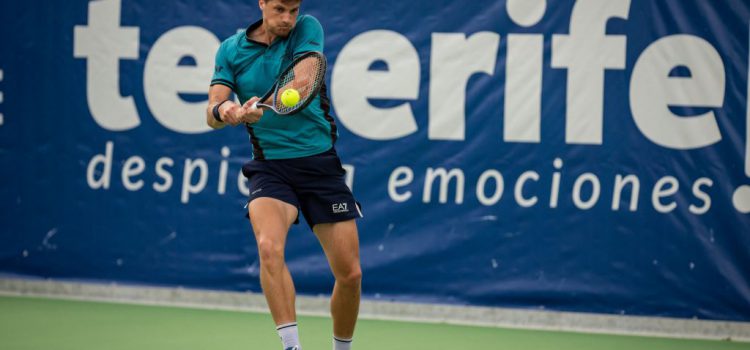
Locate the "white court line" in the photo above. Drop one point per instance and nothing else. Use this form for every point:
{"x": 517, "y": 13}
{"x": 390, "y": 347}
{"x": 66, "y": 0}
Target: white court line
{"x": 385, "y": 310}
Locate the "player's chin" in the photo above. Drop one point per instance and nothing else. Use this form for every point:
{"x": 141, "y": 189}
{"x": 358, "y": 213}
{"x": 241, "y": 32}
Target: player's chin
{"x": 283, "y": 31}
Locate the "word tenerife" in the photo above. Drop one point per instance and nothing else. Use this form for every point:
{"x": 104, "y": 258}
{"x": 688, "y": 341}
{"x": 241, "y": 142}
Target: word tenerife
{"x": 586, "y": 53}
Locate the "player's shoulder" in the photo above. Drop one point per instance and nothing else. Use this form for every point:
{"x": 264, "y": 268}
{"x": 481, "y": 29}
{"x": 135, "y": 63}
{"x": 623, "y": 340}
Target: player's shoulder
{"x": 308, "y": 19}
{"x": 230, "y": 47}
{"x": 233, "y": 42}
{"x": 308, "y": 22}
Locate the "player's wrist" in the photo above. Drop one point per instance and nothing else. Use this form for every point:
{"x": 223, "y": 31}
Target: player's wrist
{"x": 217, "y": 112}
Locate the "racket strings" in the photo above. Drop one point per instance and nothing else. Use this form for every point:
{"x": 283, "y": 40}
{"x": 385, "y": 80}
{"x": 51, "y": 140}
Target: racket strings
{"x": 305, "y": 77}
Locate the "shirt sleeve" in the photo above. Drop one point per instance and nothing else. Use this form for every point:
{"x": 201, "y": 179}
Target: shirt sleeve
{"x": 222, "y": 71}
{"x": 308, "y": 36}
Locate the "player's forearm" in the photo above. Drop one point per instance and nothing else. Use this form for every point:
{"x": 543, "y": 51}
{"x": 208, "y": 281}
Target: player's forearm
{"x": 218, "y": 94}
{"x": 211, "y": 115}
{"x": 210, "y": 119}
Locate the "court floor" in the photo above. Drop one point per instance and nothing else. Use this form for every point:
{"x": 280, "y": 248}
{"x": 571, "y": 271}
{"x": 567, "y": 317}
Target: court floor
{"x": 35, "y": 324}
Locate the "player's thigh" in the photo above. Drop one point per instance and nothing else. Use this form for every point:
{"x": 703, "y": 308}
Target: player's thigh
{"x": 340, "y": 242}
{"x": 271, "y": 219}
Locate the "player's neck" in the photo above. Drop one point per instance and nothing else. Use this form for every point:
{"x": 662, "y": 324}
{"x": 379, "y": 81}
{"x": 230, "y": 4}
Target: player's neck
{"x": 263, "y": 35}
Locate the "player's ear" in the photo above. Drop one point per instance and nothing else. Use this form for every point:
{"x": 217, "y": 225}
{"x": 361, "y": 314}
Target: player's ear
{"x": 261, "y": 4}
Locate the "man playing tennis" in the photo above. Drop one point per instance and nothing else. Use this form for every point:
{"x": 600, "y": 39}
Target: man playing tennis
{"x": 294, "y": 168}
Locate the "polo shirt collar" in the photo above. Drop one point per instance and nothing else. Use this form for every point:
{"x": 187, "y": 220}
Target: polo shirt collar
{"x": 250, "y": 29}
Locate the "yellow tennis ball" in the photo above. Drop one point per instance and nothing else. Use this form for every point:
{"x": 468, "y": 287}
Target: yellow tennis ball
{"x": 290, "y": 97}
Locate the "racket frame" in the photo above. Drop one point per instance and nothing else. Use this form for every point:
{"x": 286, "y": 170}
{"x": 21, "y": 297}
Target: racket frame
{"x": 274, "y": 89}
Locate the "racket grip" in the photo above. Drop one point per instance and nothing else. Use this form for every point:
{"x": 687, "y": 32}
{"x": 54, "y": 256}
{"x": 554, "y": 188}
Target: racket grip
{"x": 255, "y": 105}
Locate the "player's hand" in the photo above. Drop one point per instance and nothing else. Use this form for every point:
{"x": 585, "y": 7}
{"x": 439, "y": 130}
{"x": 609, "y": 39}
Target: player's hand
{"x": 231, "y": 113}
{"x": 251, "y": 115}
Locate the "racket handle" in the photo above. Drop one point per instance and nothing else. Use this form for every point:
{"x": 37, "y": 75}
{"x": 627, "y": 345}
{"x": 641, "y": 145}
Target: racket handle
{"x": 255, "y": 105}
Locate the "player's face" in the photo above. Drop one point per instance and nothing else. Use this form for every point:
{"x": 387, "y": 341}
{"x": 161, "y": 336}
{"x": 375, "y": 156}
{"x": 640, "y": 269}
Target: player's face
{"x": 279, "y": 16}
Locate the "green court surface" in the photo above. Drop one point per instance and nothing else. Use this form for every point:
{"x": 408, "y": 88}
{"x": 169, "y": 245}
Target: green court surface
{"x": 35, "y": 324}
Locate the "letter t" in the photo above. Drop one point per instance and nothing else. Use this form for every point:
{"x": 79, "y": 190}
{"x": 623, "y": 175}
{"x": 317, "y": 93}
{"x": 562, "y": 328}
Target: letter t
{"x": 103, "y": 43}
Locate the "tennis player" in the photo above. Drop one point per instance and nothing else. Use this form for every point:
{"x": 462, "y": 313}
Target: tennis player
{"x": 294, "y": 168}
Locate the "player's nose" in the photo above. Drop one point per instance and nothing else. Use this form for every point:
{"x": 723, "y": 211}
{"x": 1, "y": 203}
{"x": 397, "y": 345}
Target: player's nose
{"x": 287, "y": 19}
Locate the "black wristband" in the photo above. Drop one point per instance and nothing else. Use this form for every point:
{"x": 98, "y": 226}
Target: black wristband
{"x": 216, "y": 114}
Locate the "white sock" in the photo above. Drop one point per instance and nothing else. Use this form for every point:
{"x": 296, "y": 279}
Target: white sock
{"x": 341, "y": 344}
{"x": 289, "y": 335}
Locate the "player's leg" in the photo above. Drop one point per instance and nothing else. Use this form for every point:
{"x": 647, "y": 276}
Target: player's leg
{"x": 340, "y": 242}
{"x": 271, "y": 219}
{"x": 330, "y": 209}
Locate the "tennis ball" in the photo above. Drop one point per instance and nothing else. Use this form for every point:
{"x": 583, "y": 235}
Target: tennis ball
{"x": 290, "y": 97}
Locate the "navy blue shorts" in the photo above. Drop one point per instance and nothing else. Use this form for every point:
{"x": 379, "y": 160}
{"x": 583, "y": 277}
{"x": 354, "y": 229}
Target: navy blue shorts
{"x": 315, "y": 185}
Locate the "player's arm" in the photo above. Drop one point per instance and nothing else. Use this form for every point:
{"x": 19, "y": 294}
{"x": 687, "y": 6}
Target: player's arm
{"x": 303, "y": 73}
{"x": 229, "y": 112}
{"x": 221, "y": 109}
{"x": 217, "y": 94}
{"x": 309, "y": 36}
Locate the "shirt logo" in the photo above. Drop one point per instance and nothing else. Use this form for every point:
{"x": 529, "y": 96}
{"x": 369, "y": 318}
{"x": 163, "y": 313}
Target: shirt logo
{"x": 340, "y": 208}
{"x": 218, "y": 69}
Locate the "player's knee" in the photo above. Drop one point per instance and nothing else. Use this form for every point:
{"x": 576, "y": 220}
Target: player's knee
{"x": 271, "y": 254}
{"x": 352, "y": 277}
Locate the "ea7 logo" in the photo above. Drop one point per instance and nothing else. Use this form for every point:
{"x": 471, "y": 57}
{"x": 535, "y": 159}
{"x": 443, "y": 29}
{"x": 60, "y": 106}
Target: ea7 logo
{"x": 340, "y": 208}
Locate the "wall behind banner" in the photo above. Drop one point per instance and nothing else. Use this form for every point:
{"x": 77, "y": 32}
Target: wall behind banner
{"x": 585, "y": 155}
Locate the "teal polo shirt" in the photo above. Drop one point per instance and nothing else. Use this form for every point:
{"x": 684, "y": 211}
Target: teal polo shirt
{"x": 250, "y": 68}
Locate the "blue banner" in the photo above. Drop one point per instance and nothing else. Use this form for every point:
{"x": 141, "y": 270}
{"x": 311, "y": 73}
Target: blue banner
{"x": 589, "y": 155}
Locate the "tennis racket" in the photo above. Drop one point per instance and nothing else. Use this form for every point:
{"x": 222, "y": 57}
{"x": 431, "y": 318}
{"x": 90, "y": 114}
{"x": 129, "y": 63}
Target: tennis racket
{"x": 305, "y": 74}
